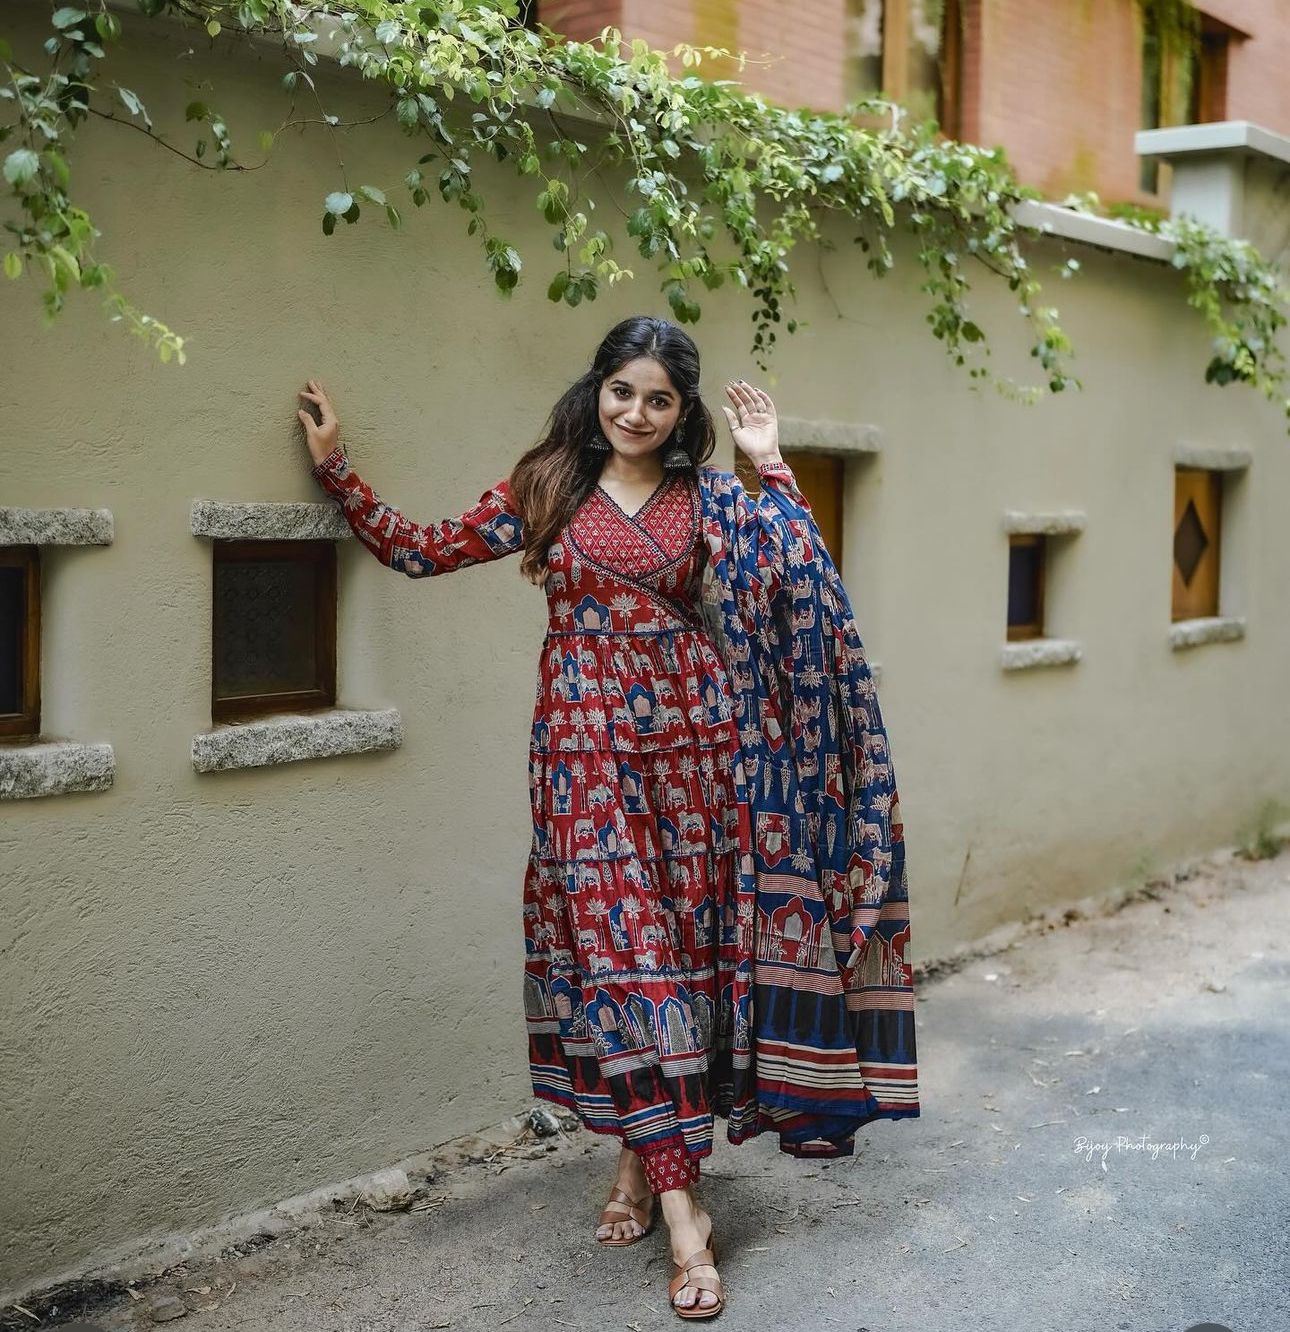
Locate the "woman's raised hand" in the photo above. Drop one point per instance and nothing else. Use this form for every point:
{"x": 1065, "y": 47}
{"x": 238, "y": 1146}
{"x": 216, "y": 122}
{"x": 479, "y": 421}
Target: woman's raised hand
{"x": 321, "y": 435}
{"x": 752, "y": 421}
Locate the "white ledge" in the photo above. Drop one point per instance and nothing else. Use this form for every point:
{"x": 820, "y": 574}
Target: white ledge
{"x": 54, "y": 767}
{"x": 1220, "y": 136}
{"x": 1214, "y": 458}
{"x": 1064, "y": 522}
{"x": 55, "y": 527}
{"x": 227, "y": 520}
{"x": 1030, "y": 653}
{"x": 1210, "y": 629}
{"x": 797, "y": 432}
{"x": 1105, "y": 232}
{"x": 290, "y": 738}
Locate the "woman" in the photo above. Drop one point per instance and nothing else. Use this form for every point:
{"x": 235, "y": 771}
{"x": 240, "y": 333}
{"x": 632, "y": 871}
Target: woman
{"x": 715, "y": 913}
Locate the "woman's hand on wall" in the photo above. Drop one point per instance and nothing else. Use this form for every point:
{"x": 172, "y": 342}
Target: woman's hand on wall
{"x": 322, "y": 430}
{"x": 752, "y": 421}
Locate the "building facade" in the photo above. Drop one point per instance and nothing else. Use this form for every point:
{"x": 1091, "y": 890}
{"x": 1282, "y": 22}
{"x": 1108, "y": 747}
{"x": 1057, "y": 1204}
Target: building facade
{"x": 245, "y": 959}
{"x": 1062, "y": 86}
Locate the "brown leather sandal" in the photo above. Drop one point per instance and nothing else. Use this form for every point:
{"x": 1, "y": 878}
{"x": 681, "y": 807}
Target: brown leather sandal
{"x": 703, "y": 1258}
{"x": 640, "y": 1210}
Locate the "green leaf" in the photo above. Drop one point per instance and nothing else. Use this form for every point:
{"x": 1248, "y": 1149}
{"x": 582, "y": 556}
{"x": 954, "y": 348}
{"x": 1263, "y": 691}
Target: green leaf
{"x": 67, "y": 17}
{"x": 266, "y": 140}
{"x": 556, "y": 290}
{"x": 59, "y": 164}
{"x": 372, "y": 195}
{"x": 338, "y": 203}
{"x": 13, "y": 265}
{"x": 21, "y": 166}
{"x": 213, "y": 27}
{"x": 329, "y": 223}
{"x": 392, "y": 216}
{"x": 108, "y": 27}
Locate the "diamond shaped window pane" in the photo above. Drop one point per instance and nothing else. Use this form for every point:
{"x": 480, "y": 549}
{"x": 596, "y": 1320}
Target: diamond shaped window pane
{"x": 1190, "y": 543}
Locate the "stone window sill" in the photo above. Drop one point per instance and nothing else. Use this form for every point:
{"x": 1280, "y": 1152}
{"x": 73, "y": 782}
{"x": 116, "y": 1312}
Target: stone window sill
{"x": 54, "y": 767}
{"x": 837, "y": 437}
{"x": 292, "y": 737}
{"x": 1211, "y": 629}
{"x": 1030, "y": 653}
{"x": 1213, "y": 458}
{"x": 55, "y": 527}
{"x": 222, "y": 520}
{"x": 1064, "y": 522}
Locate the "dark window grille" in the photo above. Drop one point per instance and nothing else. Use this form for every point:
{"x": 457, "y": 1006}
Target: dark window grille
{"x": 1026, "y": 586}
{"x": 274, "y": 627}
{"x": 1152, "y": 103}
{"x": 19, "y": 642}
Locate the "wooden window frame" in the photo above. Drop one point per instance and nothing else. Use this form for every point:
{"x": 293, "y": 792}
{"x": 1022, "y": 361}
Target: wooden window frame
{"x": 25, "y": 723}
{"x": 893, "y": 59}
{"x": 949, "y": 84}
{"x": 1210, "y": 67}
{"x": 1185, "y": 603}
{"x": 323, "y": 555}
{"x": 1035, "y": 628}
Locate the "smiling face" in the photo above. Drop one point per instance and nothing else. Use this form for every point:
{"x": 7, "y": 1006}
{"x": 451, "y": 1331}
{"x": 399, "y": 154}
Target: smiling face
{"x": 639, "y": 407}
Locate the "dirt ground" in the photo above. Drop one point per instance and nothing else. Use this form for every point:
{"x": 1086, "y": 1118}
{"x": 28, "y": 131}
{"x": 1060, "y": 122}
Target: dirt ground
{"x": 1102, "y": 1146}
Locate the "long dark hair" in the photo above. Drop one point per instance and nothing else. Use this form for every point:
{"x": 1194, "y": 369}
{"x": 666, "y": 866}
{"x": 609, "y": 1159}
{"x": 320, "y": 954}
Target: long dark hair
{"x": 558, "y": 473}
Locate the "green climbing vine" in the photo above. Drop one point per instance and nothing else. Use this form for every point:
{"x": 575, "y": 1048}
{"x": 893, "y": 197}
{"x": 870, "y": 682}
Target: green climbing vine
{"x": 1241, "y": 297}
{"x": 721, "y": 187}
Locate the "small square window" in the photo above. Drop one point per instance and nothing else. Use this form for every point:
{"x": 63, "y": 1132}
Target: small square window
{"x": 1198, "y": 502}
{"x": 1026, "y": 560}
{"x": 274, "y": 627}
{"x": 19, "y": 642}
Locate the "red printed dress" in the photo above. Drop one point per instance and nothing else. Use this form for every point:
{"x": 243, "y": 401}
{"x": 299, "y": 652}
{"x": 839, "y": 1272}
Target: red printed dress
{"x": 638, "y": 894}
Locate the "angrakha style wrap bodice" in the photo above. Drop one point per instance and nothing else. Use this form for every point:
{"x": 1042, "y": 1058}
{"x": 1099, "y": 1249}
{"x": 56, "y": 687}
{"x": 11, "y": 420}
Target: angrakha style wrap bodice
{"x": 715, "y": 909}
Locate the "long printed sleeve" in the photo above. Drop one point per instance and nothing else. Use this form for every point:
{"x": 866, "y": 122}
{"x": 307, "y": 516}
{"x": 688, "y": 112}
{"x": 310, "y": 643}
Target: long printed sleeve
{"x": 776, "y": 527}
{"x": 780, "y": 486}
{"x": 488, "y": 531}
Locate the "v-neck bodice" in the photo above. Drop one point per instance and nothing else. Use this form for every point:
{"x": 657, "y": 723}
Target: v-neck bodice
{"x": 609, "y": 557}
{"x": 640, "y": 508}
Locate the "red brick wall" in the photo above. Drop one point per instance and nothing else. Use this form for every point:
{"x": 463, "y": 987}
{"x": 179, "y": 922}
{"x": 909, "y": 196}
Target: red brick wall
{"x": 1062, "y": 93}
{"x": 1258, "y": 78}
{"x": 1057, "y": 84}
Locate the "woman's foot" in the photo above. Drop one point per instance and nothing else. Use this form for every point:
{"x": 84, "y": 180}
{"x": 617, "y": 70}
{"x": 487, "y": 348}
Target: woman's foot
{"x": 690, "y": 1232}
{"x": 621, "y": 1222}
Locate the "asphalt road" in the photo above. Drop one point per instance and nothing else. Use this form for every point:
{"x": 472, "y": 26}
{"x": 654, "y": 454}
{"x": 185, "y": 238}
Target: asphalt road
{"x": 1103, "y": 1145}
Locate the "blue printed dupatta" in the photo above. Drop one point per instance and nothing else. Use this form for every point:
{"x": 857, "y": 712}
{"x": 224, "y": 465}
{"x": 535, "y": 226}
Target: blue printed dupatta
{"x": 833, "y": 997}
